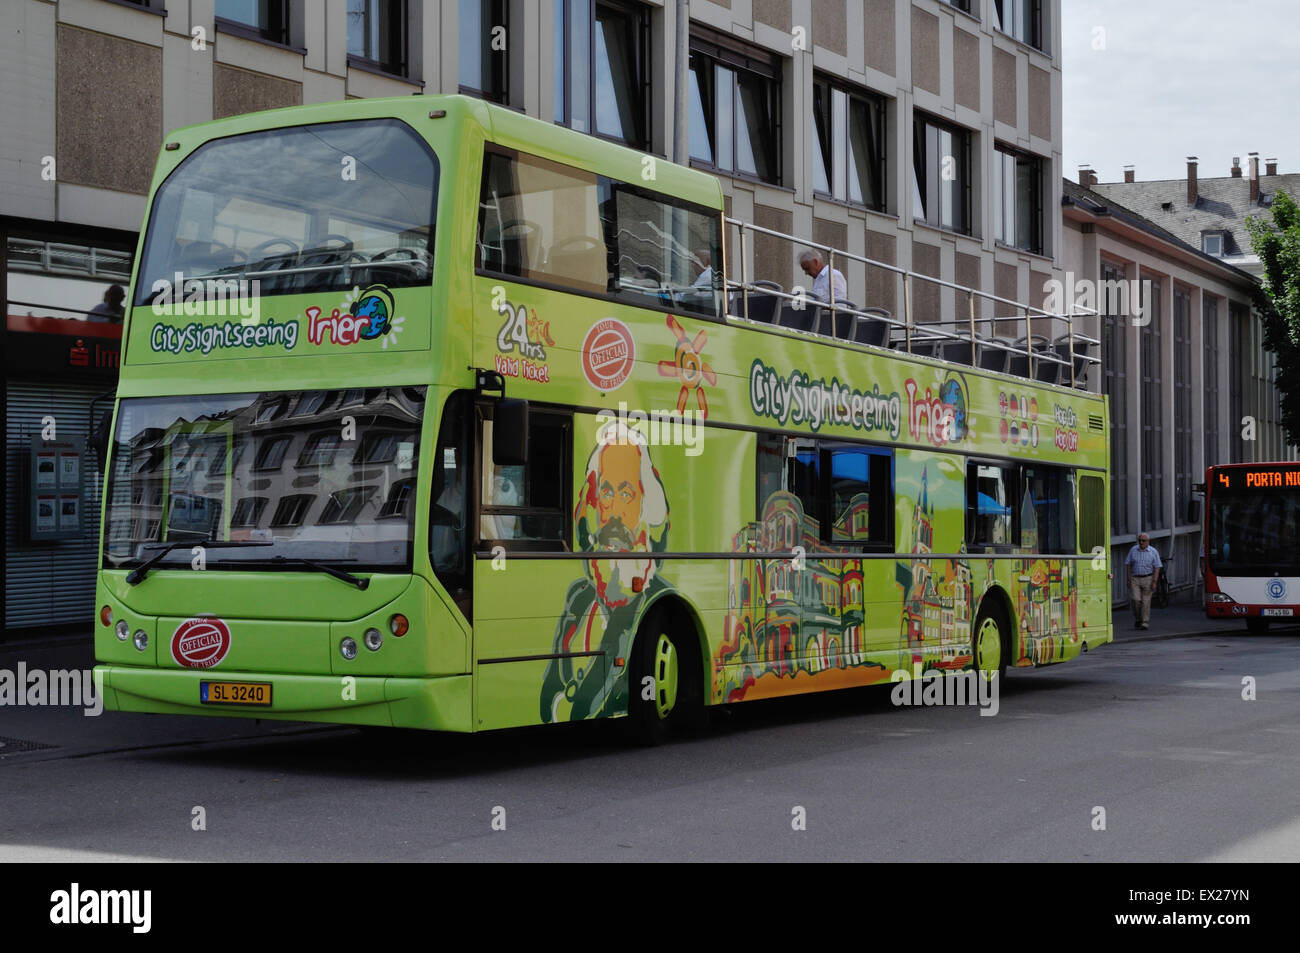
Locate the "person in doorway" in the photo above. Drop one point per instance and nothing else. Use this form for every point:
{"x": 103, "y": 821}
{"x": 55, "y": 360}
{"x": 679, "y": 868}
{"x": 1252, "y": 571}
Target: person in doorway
{"x": 824, "y": 277}
{"x": 1143, "y": 567}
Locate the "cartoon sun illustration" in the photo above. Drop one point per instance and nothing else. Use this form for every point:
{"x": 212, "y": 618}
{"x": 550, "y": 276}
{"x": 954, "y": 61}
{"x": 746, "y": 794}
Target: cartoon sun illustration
{"x": 689, "y": 366}
{"x": 375, "y": 303}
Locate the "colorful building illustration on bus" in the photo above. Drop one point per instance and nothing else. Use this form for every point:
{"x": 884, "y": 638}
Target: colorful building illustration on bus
{"x": 936, "y": 595}
{"x": 788, "y": 616}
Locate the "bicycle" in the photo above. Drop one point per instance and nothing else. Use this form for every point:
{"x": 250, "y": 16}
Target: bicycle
{"x": 1160, "y": 597}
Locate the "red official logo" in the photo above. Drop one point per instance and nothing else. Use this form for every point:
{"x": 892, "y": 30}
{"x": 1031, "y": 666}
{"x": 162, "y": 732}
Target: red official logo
{"x": 608, "y": 353}
{"x": 200, "y": 643}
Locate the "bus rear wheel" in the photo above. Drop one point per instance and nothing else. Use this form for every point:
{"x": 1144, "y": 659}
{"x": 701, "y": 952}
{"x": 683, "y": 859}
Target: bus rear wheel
{"x": 665, "y": 691}
{"x": 991, "y": 641}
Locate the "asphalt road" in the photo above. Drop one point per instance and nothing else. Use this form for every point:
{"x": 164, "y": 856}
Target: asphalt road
{"x": 1156, "y": 733}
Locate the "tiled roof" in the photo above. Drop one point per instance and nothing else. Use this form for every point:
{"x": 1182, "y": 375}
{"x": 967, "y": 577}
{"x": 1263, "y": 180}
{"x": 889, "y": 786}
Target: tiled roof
{"x": 1093, "y": 200}
{"x": 1222, "y": 203}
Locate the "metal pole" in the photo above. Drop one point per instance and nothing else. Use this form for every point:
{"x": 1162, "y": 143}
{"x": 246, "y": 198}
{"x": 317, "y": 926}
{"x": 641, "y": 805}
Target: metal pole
{"x": 744, "y": 274}
{"x": 973, "y": 360}
{"x": 907, "y": 310}
{"x": 681, "y": 120}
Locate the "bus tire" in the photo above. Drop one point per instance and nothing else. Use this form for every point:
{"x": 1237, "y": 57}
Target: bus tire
{"x": 991, "y": 640}
{"x": 665, "y": 690}
{"x": 1257, "y": 626}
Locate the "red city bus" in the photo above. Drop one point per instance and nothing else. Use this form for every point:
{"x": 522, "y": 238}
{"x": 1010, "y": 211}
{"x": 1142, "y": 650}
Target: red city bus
{"x": 1251, "y": 544}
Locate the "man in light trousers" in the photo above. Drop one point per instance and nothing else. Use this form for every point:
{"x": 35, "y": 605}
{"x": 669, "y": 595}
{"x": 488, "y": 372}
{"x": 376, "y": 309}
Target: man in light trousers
{"x": 1143, "y": 566}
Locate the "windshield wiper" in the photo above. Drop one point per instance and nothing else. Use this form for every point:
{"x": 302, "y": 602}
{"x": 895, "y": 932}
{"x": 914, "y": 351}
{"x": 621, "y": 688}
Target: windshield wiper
{"x": 357, "y": 581}
{"x": 137, "y": 575}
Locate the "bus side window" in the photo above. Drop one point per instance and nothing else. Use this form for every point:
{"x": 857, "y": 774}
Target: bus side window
{"x": 990, "y": 506}
{"x": 1092, "y": 513}
{"x": 527, "y": 504}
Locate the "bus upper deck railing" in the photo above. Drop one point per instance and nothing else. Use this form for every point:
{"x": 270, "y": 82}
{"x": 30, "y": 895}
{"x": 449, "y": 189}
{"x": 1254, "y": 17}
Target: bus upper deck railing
{"x": 1063, "y": 360}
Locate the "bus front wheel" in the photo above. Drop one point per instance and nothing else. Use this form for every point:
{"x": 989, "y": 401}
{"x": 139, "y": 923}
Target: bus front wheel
{"x": 665, "y": 691}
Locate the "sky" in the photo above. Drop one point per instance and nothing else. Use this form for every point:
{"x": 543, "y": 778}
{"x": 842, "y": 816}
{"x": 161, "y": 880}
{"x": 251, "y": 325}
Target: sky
{"x": 1151, "y": 82}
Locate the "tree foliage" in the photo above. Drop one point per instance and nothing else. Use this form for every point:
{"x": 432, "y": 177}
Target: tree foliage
{"x": 1276, "y": 239}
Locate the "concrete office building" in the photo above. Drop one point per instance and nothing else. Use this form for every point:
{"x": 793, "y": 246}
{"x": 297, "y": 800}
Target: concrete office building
{"x": 919, "y": 133}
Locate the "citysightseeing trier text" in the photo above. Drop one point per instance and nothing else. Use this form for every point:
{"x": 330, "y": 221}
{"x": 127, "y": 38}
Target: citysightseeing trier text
{"x": 486, "y": 449}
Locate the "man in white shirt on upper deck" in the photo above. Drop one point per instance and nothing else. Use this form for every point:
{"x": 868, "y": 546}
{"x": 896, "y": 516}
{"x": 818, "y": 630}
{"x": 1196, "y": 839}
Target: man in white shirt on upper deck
{"x": 822, "y": 275}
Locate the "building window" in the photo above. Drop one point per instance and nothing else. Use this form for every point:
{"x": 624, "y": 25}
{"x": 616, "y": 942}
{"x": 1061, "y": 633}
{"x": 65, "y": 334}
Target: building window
{"x": 484, "y": 60}
{"x": 1021, "y": 19}
{"x": 1182, "y": 402}
{"x": 271, "y": 453}
{"x": 268, "y": 19}
{"x": 849, "y": 131}
{"x": 344, "y": 506}
{"x": 248, "y": 511}
{"x": 1153, "y": 458}
{"x": 320, "y": 449}
{"x": 1212, "y": 244}
{"x": 963, "y": 5}
{"x": 941, "y": 180}
{"x": 1210, "y": 381}
{"x": 1018, "y": 200}
{"x": 604, "y": 85}
{"x": 1114, "y": 362}
{"x": 377, "y": 33}
{"x": 292, "y": 510}
{"x": 735, "y": 105}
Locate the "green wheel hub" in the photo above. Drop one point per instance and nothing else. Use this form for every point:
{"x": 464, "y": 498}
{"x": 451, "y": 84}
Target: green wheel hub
{"x": 665, "y": 676}
{"x": 988, "y": 646}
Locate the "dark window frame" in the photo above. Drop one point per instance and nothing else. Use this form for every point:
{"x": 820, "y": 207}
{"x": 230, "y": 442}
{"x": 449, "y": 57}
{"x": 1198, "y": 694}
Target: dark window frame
{"x": 275, "y": 30}
{"x": 1013, "y": 481}
{"x": 289, "y": 505}
{"x": 1037, "y": 239}
{"x": 1034, "y": 28}
{"x": 877, "y": 113}
{"x": 400, "y": 65}
{"x": 498, "y": 64}
{"x": 927, "y": 178}
{"x": 639, "y": 16}
{"x": 727, "y": 53}
{"x": 258, "y": 506}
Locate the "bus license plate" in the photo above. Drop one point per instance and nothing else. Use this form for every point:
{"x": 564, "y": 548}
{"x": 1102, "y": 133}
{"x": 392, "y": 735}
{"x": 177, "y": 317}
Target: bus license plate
{"x": 235, "y": 693}
{"x": 1276, "y": 611}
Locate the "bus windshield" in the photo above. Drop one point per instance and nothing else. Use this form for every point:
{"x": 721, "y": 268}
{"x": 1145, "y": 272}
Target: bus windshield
{"x": 1254, "y": 533}
{"x": 326, "y": 475}
{"x": 302, "y": 209}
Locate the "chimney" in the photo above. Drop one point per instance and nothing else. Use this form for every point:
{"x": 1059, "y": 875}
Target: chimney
{"x": 1254, "y": 176}
{"x": 1270, "y": 167}
{"x": 1087, "y": 177}
{"x": 1236, "y": 167}
{"x": 1129, "y": 173}
{"x": 1192, "y": 190}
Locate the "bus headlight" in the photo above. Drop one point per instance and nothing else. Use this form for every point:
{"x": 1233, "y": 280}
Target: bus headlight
{"x": 1220, "y": 597}
{"x": 348, "y": 648}
{"x": 141, "y": 639}
{"x": 122, "y": 630}
{"x": 374, "y": 639}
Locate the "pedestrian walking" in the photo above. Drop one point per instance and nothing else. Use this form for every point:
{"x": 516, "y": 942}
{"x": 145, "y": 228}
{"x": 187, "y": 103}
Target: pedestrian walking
{"x": 1143, "y": 566}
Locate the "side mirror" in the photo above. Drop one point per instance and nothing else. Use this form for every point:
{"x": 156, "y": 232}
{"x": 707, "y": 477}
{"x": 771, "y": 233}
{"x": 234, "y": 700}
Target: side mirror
{"x": 98, "y": 439}
{"x": 1193, "y": 511}
{"x": 510, "y": 432}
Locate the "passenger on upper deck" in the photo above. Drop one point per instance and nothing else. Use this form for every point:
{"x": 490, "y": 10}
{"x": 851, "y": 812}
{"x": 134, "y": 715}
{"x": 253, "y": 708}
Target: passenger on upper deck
{"x": 822, "y": 275}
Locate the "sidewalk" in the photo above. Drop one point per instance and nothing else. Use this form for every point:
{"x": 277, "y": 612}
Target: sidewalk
{"x": 1184, "y": 617}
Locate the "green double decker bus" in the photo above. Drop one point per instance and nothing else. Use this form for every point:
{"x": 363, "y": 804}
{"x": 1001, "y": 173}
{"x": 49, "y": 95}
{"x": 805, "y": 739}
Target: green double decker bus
{"x": 433, "y": 415}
